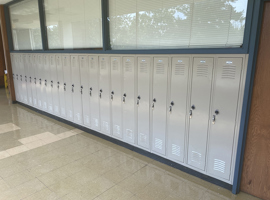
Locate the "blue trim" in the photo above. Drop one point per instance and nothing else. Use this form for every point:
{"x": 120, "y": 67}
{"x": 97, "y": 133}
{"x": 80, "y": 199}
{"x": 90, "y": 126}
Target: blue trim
{"x": 43, "y": 28}
{"x": 105, "y": 25}
{"x": 254, "y": 44}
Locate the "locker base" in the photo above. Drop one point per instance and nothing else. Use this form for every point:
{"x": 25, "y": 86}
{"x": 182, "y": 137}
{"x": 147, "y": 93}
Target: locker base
{"x": 135, "y": 149}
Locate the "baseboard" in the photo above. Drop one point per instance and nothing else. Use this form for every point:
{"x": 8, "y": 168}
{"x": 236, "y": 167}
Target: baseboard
{"x": 136, "y": 149}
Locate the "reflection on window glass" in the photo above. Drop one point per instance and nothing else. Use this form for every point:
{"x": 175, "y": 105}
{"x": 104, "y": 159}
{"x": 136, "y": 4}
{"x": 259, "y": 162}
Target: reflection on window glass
{"x": 25, "y": 25}
{"x": 154, "y": 24}
{"x": 73, "y": 24}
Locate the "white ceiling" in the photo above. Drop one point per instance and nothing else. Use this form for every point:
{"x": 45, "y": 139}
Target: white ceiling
{"x": 4, "y": 1}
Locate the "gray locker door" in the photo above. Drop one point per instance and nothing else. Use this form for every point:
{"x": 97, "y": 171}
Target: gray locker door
{"x": 223, "y": 116}
{"x": 178, "y": 109}
{"x": 38, "y": 82}
{"x": 41, "y": 101}
{"x": 15, "y": 75}
{"x": 143, "y": 101}
{"x": 76, "y": 90}
{"x": 67, "y": 87}
{"x": 199, "y": 111}
{"x": 33, "y": 79}
{"x": 54, "y": 85}
{"x": 60, "y": 86}
{"x": 27, "y": 77}
{"x": 159, "y": 104}
{"x": 104, "y": 94}
{"x": 94, "y": 92}
{"x": 18, "y": 80}
{"x": 48, "y": 85}
{"x": 23, "y": 80}
{"x": 116, "y": 96}
{"x": 128, "y": 99}
{"x": 84, "y": 69}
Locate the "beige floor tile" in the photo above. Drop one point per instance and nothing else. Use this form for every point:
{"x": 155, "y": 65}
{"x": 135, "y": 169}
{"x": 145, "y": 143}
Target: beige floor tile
{"x": 44, "y": 135}
{"x": 28, "y": 139}
{"x": 3, "y": 186}
{"x": 84, "y": 176}
{"x": 19, "y": 178}
{"x": 153, "y": 192}
{"x": 116, "y": 175}
{"x": 44, "y": 194}
{"x": 66, "y": 134}
{"x": 116, "y": 193}
{"x": 8, "y": 127}
{"x": 53, "y": 177}
{"x": 17, "y": 150}
{"x": 133, "y": 184}
{"x": 12, "y": 170}
{"x": 4, "y": 154}
{"x": 35, "y": 144}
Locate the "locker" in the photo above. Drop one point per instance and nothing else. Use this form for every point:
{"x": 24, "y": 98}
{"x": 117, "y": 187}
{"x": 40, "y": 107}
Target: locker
{"x": 76, "y": 90}
{"x": 54, "y": 85}
{"x": 67, "y": 87}
{"x": 39, "y": 80}
{"x": 60, "y": 86}
{"x": 94, "y": 92}
{"x": 177, "y": 108}
{"x": 15, "y": 75}
{"x": 128, "y": 99}
{"x": 143, "y": 101}
{"x": 48, "y": 86}
{"x": 24, "y": 97}
{"x": 27, "y": 70}
{"x": 159, "y": 104}
{"x": 223, "y": 116}
{"x": 104, "y": 94}
{"x": 33, "y": 79}
{"x": 199, "y": 111}
{"x": 116, "y": 96}
{"x": 84, "y": 70}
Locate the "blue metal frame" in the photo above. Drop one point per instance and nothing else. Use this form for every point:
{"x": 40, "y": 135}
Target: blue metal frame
{"x": 250, "y": 46}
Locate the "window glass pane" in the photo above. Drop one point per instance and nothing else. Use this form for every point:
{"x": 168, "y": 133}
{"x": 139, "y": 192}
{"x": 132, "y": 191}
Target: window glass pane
{"x": 73, "y": 24}
{"x": 25, "y": 25}
{"x": 157, "y": 24}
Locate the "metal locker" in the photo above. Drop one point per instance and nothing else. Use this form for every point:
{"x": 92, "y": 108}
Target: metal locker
{"x": 223, "y": 116}
{"x": 27, "y": 77}
{"x": 104, "y": 94}
{"x": 94, "y": 92}
{"x": 15, "y": 75}
{"x": 84, "y": 69}
{"x": 33, "y": 79}
{"x": 177, "y": 108}
{"x": 54, "y": 85}
{"x": 199, "y": 111}
{"x": 143, "y": 101}
{"x": 159, "y": 104}
{"x": 48, "y": 86}
{"x": 76, "y": 90}
{"x": 116, "y": 96}
{"x": 60, "y": 86}
{"x": 38, "y": 72}
{"x": 128, "y": 99}
{"x": 23, "y": 80}
{"x": 67, "y": 87}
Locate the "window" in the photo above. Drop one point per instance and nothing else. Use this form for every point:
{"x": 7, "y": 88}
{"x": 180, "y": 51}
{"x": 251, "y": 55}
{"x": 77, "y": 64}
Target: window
{"x": 73, "y": 24}
{"x": 25, "y": 25}
{"x": 166, "y": 24}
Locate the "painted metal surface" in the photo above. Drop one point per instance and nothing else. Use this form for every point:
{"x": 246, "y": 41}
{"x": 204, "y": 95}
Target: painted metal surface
{"x": 54, "y": 85}
{"x": 60, "y": 86}
{"x": 48, "y": 87}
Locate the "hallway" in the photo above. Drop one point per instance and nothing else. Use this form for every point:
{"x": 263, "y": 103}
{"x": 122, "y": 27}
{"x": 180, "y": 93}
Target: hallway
{"x": 41, "y": 158}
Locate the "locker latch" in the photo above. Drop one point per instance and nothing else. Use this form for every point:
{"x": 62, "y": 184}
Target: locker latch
{"x": 35, "y": 80}
{"x": 138, "y": 100}
{"x": 190, "y": 112}
{"x": 112, "y": 93}
{"x": 214, "y": 117}
{"x": 58, "y": 84}
{"x": 65, "y": 86}
{"x": 72, "y": 88}
{"x": 17, "y": 76}
{"x": 100, "y": 93}
{"x": 91, "y": 91}
{"x": 170, "y": 109}
{"x": 30, "y": 79}
{"x": 81, "y": 89}
{"x": 153, "y": 104}
{"x": 124, "y": 98}
{"x": 25, "y": 78}
{"x": 40, "y": 81}
{"x": 52, "y": 84}
{"x": 46, "y": 83}
{"x": 21, "y": 77}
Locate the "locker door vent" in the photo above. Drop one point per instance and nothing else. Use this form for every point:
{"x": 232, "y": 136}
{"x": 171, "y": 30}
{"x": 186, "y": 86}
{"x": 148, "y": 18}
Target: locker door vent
{"x": 219, "y": 165}
{"x": 82, "y": 63}
{"x": 129, "y": 134}
{"x": 95, "y": 122}
{"x": 176, "y": 150}
{"x": 143, "y": 68}
{"x": 179, "y": 69}
{"x": 143, "y": 138}
{"x": 228, "y": 72}
{"x": 128, "y": 67}
{"x": 158, "y": 143}
{"x": 117, "y": 129}
{"x": 92, "y": 64}
{"x": 115, "y": 65}
{"x": 65, "y": 61}
{"x": 105, "y": 126}
{"x": 202, "y": 71}
{"x": 160, "y": 68}
{"x": 103, "y": 64}
{"x": 196, "y": 157}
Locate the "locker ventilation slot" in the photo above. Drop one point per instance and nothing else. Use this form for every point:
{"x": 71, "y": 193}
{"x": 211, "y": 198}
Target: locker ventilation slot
{"x": 129, "y": 134}
{"x": 143, "y": 68}
{"x": 158, "y": 143}
{"x": 196, "y": 157}
{"x": 219, "y": 165}
{"x": 143, "y": 138}
{"x": 117, "y": 129}
{"x": 128, "y": 67}
{"x": 82, "y": 63}
{"x": 115, "y": 65}
{"x": 228, "y": 72}
{"x": 95, "y": 122}
{"x": 179, "y": 69}
{"x": 176, "y": 150}
{"x": 202, "y": 71}
{"x": 160, "y": 68}
{"x": 92, "y": 64}
{"x": 103, "y": 65}
{"x": 105, "y": 126}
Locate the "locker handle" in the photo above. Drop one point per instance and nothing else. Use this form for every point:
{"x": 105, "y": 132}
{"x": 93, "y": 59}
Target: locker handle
{"x": 72, "y": 88}
{"x": 91, "y": 91}
{"x": 58, "y": 84}
{"x": 170, "y": 108}
{"x": 112, "y": 93}
{"x": 30, "y": 79}
{"x": 124, "y": 98}
{"x": 100, "y": 92}
{"x": 153, "y": 104}
{"x": 214, "y": 119}
{"x": 25, "y": 78}
{"x": 65, "y": 86}
{"x": 190, "y": 114}
{"x": 138, "y": 100}
{"x": 46, "y": 83}
{"x": 52, "y": 84}
{"x": 81, "y": 89}
{"x": 35, "y": 80}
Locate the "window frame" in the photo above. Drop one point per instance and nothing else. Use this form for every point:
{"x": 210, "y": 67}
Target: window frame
{"x": 106, "y": 49}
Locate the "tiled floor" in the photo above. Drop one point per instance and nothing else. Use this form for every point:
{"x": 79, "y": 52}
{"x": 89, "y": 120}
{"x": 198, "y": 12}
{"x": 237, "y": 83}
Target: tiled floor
{"x": 41, "y": 158}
